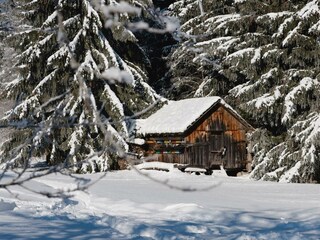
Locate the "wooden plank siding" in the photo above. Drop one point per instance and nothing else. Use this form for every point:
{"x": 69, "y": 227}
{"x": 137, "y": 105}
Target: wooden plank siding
{"x": 217, "y": 138}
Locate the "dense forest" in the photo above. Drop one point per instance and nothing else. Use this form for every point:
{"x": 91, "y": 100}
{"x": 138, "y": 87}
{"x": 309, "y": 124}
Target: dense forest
{"x": 79, "y": 71}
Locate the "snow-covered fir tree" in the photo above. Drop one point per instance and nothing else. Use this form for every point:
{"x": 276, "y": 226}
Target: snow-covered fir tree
{"x": 264, "y": 57}
{"x": 8, "y": 54}
{"x": 79, "y": 81}
{"x": 5, "y": 29}
{"x": 79, "y": 65}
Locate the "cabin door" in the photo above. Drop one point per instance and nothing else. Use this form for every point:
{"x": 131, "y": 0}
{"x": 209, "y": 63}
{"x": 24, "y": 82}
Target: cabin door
{"x": 216, "y": 149}
{"x": 241, "y": 156}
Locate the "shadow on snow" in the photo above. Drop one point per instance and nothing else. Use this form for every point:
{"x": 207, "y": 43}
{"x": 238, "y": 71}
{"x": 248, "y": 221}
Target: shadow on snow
{"x": 227, "y": 225}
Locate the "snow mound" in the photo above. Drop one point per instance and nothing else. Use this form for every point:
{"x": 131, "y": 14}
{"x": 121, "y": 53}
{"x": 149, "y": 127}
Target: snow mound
{"x": 127, "y": 205}
{"x": 220, "y": 173}
{"x": 183, "y": 207}
{"x": 162, "y": 166}
{"x": 194, "y": 169}
{"x": 6, "y": 206}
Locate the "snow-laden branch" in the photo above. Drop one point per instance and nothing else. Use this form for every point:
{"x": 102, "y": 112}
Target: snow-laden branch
{"x": 41, "y": 129}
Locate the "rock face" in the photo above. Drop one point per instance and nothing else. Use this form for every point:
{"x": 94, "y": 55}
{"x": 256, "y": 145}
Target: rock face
{"x": 263, "y": 57}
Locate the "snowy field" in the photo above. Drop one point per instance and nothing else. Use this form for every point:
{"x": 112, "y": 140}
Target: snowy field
{"x": 126, "y": 205}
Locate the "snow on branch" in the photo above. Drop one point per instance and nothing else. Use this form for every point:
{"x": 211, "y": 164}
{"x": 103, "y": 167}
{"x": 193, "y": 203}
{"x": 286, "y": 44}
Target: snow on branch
{"x": 297, "y": 96}
{"x": 116, "y": 75}
{"x": 90, "y": 137}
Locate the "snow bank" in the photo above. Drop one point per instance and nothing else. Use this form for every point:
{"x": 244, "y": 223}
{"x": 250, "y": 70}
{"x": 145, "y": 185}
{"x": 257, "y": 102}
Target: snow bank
{"x": 7, "y": 206}
{"x": 156, "y": 165}
{"x": 126, "y": 205}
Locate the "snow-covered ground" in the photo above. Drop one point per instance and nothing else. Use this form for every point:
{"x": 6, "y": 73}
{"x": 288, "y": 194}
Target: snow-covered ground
{"x": 127, "y": 205}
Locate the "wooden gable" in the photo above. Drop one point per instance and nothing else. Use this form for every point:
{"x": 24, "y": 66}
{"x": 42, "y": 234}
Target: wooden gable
{"x": 217, "y": 119}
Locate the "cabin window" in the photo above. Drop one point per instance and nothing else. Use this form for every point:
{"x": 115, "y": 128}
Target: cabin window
{"x": 169, "y": 146}
{"x": 171, "y": 151}
{"x": 170, "y": 142}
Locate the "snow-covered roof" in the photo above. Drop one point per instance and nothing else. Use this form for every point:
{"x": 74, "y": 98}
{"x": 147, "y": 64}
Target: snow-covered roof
{"x": 178, "y": 116}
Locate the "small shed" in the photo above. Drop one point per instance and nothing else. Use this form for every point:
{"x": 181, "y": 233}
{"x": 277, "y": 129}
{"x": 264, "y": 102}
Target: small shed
{"x": 199, "y": 132}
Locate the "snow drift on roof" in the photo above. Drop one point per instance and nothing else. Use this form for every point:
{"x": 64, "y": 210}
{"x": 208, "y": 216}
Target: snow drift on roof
{"x": 177, "y": 116}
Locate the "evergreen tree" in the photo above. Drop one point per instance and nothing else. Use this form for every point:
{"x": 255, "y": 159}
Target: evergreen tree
{"x": 263, "y": 56}
{"x": 78, "y": 82}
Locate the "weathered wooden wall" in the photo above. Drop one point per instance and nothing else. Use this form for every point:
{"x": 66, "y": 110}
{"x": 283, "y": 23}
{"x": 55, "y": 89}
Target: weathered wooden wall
{"x": 166, "y": 149}
{"x": 203, "y": 144}
{"x": 221, "y": 129}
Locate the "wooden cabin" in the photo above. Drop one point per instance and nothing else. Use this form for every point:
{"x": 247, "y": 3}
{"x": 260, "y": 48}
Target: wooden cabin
{"x": 199, "y": 132}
